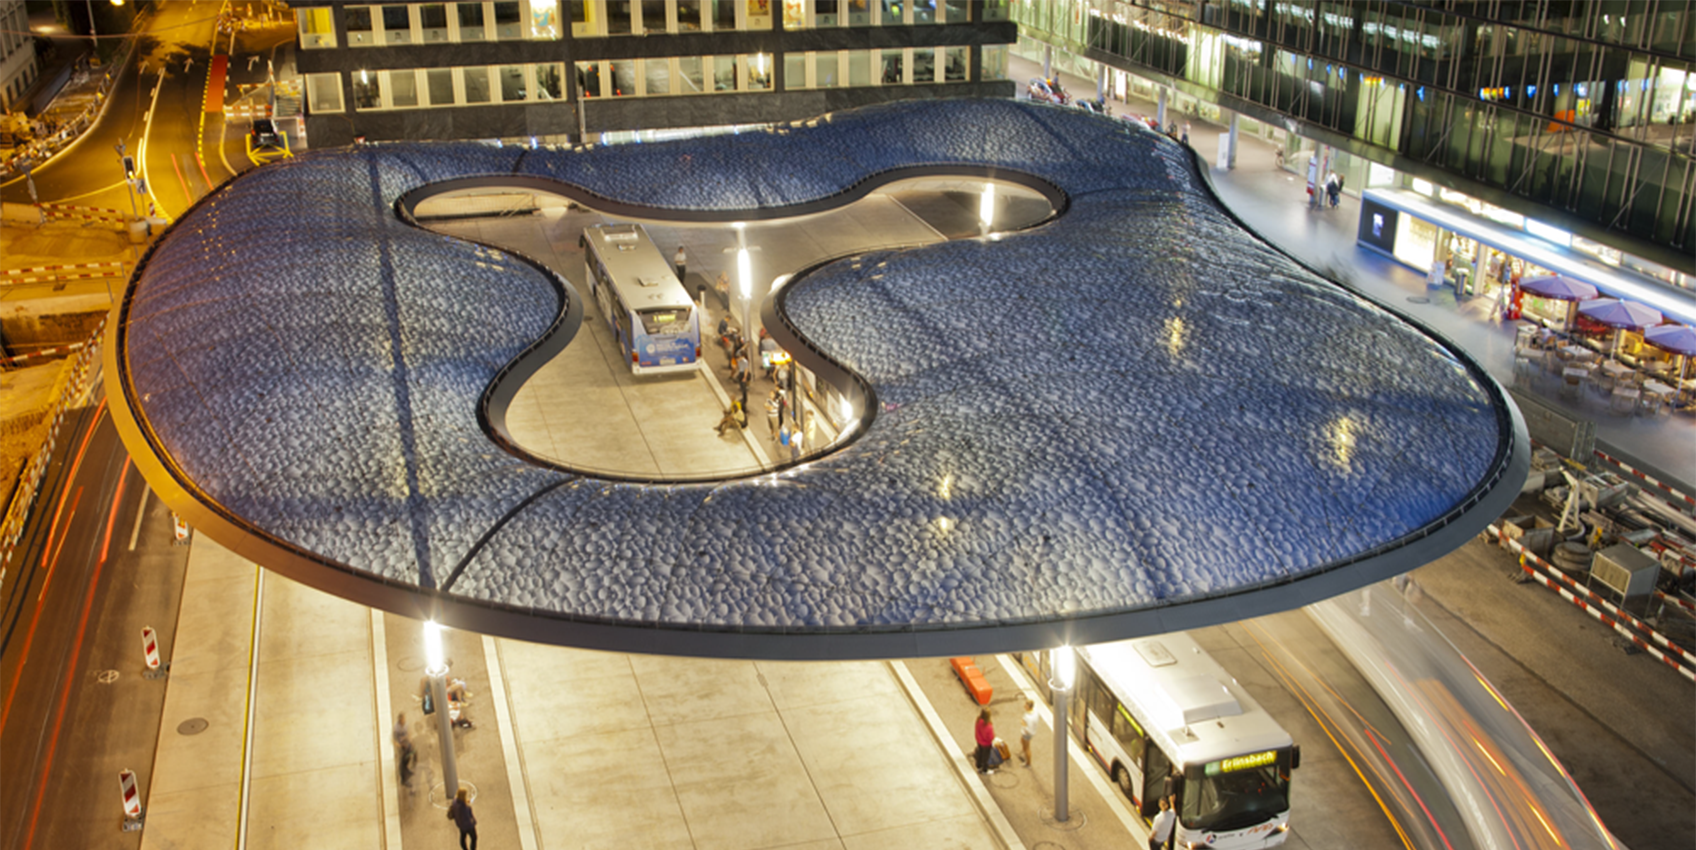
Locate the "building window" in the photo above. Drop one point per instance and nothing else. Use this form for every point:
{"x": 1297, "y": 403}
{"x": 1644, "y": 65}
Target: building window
{"x": 397, "y": 25}
{"x": 476, "y": 84}
{"x": 589, "y": 79}
{"x": 795, "y": 71}
{"x": 403, "y": 89}
{"x": 894, "y": 67}
{"x": 509, "y": 23}
{"x": 924, "y": 65}
{"x": 623, "y": 77}
{"x": 471, "y": 26}
{"x": 859, "y": 68}
{"x": 724, "y": 73}
{"x": 439, "y": 81}
{"x": 653, "y": 16}
{"x": 656, "y": 76}
{"x": 955, "y": 64}
{"x": 367, "y": 92}
{"x": 359, "y": 26}
{"x": 827, "y": 68}
{"x": 317, "y": 27}
{"x": 724, "y": 14}
{"x": 995, "y": 10}
{"x": 433, "y": 20}
{"x": 513, "y": 87}
{"x": 689, "y": 75}
{"x": 994, "y": 62}
{"x": 548, "y": 81}
{"x": 956, "y": 12}
{"x": 324, "y": 93}
{"x": 688, "y": 15}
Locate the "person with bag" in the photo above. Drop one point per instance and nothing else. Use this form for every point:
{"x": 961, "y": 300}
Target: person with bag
{"x": 984, "y": 733}
{"x": 459, "y": 811}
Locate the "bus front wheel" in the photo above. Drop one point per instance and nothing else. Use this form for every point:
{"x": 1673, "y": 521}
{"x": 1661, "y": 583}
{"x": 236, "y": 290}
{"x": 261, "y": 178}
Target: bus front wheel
{"x": 1123, "y": 777}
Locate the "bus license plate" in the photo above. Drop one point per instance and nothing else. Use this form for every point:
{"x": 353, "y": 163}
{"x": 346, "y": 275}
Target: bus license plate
{"x": 668, "y": 361}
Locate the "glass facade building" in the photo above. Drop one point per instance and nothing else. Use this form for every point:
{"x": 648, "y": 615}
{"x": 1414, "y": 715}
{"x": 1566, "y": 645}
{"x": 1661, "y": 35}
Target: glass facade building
{"x": 1581, "y": 112}
{"x": 574, "y": 69}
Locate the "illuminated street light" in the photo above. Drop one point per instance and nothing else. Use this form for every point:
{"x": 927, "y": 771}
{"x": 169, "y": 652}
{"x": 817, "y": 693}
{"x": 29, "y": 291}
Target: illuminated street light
{"x": 436, "y": 669}
{"x": 986, "y": 208}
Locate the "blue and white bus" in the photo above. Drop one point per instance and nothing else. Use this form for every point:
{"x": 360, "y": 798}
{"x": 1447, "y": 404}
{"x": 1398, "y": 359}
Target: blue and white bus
{"x": 1153, "y": 708}
{"x": 656, "y": 324}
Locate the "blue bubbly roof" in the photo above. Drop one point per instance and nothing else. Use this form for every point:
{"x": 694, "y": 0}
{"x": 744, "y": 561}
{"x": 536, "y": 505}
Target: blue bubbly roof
{"x": 1134, "y": 418}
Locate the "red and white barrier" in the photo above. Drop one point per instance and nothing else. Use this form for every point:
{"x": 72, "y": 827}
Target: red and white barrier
{"x": 1673, "y": 656}
{"x": 73, "y": 266}
{"x": 132, "y": 797}
{"x": 1641, "y": 475}
{"x": 12, "y": 524}
{"x": 181, "y": 528}
{"x": 45, "y": 353}
{"x": 150, "y": 647}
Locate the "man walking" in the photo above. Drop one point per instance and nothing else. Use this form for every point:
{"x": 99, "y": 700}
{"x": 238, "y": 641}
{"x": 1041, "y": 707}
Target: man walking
{"x": 1161, "y": 830}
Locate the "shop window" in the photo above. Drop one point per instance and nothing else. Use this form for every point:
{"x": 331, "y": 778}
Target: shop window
{"x": 924, "y": 65}
{"x": 397, "y": 25}
{"x": 724, "y": 14}
{"x": 471, "y": 26}
{"x": 513, "y": 88}
{"x": 549, "y": 82}
{"x": 656, "y": 77}
{"x": 433, "y": 18}
{"x": 794, "y": 18}
{"x": 795, "y": 71}
{"x": 759, "y": 15}
{"x": 589, "y": 79}
{"x": 689, "y": 75}
{"x": 653, "y": 16}
{"x": 688, "y": 15}
{"x": 827, "y": 70}
{"x": 994, "y": 62}
{"x": 724, "y": 73}
{"x": 955, "y": 63}
{"x": 367, "y": 93}
{"x": 403, "y": 89}
{"x": 759, "y": 72}
{"x": 324, "y": 92}
{"x": 476, "y": 84}
{"x": 358, "y": 26}
{"x": 439, "y": 83}
{"x": 317, "y": 27}
{"x": 623, "y": 77}
{"x": 509, "y": 23}
{"x": 544, "y": 19}
{"x": 859, "y": 67}
{"x": 894, "y": 67}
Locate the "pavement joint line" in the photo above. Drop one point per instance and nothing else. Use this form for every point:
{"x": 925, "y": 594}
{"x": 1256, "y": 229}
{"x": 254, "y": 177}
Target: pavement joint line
{"x": 979, "y": 792}
{"x": 527, "y": 839}
{"x": 385, "y": 743}
{"x": 1109, "y": 793}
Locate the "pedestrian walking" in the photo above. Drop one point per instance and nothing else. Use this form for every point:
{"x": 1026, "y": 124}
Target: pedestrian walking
{"x": 984, "y": 734}
{"x": 772, "y": 412}
{"x": 459, "y": 811}
{"x": 1186, "y": 136}
{"x": 406, "y": 756}
{"x": 1160, "y": 832}
{"x": 795, "y": 444}
{"x": 681, "y": 261}
{"x": 1027, "y": 731}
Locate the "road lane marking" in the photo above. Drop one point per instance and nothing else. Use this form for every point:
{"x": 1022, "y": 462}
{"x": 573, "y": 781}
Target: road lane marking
{"x": 515, "y": 778}
{"x": 385, "y": 743}
{"x": 140, "y": 512}
{"x": 246, "y": 791}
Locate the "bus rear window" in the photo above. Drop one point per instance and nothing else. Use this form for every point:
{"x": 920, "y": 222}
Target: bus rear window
{"x": 671, "y": 321}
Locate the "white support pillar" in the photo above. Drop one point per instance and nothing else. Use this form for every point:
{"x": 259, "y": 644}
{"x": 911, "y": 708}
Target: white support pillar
{"x": 1160, "y": 108}
{"x": 1231, "y": 149}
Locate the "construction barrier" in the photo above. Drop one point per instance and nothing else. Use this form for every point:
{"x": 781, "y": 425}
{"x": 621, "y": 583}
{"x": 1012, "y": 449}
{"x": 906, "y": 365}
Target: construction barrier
{"x": 1603, "y": 611}
{"x": 131, "y": 799}
{"x": 29, "y": 270}
{"x": 29, "y": 484}
{"x": 76, "y": 213}
{"x": 44, "y": 354}
{"x": 1639, "y": 474}
{"x": 150, "y": 647}
{"x": 181, "y": 526}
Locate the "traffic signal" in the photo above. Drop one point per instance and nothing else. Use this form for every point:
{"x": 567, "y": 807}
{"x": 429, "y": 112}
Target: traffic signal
{"x": 129, "y": 166}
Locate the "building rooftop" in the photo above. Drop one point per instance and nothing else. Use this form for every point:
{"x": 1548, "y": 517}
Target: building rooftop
{"x": 1131, "y": 419}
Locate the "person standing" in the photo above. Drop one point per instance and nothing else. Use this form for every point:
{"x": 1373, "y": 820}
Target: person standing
{"x": 1161, "y": 830}
{"x": 406, "y": 756}
{"x": 795, "y": 444}
{"x": 772, "y": 413}
{"x": 459, "y": 811}
{"x": 1027, "y": 731}
{"x": 984, "y": 734}
{"x": 681, "y": 261}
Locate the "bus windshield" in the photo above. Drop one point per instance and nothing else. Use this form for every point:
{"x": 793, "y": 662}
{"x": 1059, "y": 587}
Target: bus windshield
{"x": 672, "y": 320}
{"x": 1234, "y": 800}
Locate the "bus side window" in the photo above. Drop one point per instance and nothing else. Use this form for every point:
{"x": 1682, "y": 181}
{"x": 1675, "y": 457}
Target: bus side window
{"x": 1129, "y": 736}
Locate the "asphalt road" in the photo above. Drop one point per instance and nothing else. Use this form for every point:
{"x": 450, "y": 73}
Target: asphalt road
{"x": 97, "y": 563}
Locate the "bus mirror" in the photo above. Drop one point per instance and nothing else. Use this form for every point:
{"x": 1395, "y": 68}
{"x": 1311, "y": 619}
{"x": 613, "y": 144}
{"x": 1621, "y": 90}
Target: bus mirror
{"x": 1295, "y": 756}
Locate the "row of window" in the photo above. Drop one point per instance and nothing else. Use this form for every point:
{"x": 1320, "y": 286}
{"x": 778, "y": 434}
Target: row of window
{"x": 680, "y": 75}
{"x": 418, "y": 88}
{"x": 397, "y": 24}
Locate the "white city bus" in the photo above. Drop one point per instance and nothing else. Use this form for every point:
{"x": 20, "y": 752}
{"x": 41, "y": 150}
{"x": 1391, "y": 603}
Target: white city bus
{"x": 1145, "y": 706}
{"x": 652, "y": 317}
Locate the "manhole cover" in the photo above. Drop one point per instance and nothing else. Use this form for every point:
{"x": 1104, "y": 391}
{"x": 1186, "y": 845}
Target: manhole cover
{"x": 1074, "y": 821}
{"x": 1418, "y": 299}
{"x": 440, "y": 799}
{"x": 1047, "y": 845}
{"x": 192, "y": 726}
{"x": 1004, "y": 779}
{"x": 106, "y": 677}
{"x": 410, "y": 663}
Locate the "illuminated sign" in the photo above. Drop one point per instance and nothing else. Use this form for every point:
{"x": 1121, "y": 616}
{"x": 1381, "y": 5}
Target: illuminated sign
{"x": 1242, "y": 762}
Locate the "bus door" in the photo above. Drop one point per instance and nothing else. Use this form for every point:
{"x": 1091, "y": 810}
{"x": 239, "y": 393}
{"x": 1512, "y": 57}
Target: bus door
{"x": 1157, "y": 768}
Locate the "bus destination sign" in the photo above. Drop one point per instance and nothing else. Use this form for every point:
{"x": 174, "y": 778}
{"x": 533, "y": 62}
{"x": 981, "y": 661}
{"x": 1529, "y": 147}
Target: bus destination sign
{"x": 1242, "y": 762}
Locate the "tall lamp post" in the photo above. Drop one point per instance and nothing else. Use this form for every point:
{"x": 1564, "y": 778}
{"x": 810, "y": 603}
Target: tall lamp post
{"x": 986, "y": 209}
{"x": 1065, "y": 669}
{"x": 436, "y": 668}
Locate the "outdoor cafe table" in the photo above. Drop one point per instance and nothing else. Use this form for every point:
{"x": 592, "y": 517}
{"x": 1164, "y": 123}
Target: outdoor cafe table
{"x": 1656, "y": 394}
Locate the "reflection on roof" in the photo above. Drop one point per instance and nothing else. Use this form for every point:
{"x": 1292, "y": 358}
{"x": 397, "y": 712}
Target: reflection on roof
{"x": 1132, "y": 419}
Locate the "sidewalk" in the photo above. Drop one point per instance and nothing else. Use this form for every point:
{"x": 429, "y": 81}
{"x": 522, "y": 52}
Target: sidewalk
{"x": 1273, "y": 201}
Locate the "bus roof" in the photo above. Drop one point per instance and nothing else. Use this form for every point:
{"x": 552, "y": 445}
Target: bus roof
{"x": 641, "y": 274}
{"x": 1184, "y": 699}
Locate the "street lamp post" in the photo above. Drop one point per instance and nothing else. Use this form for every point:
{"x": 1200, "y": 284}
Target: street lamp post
{"x": 436, "y": 668}
{"x": 986, "y": 209}
{"x": 1065, "y": 668}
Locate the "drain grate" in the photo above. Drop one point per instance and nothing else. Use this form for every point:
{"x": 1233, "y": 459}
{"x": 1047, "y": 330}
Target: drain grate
{"x": 1418, "y": 299}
